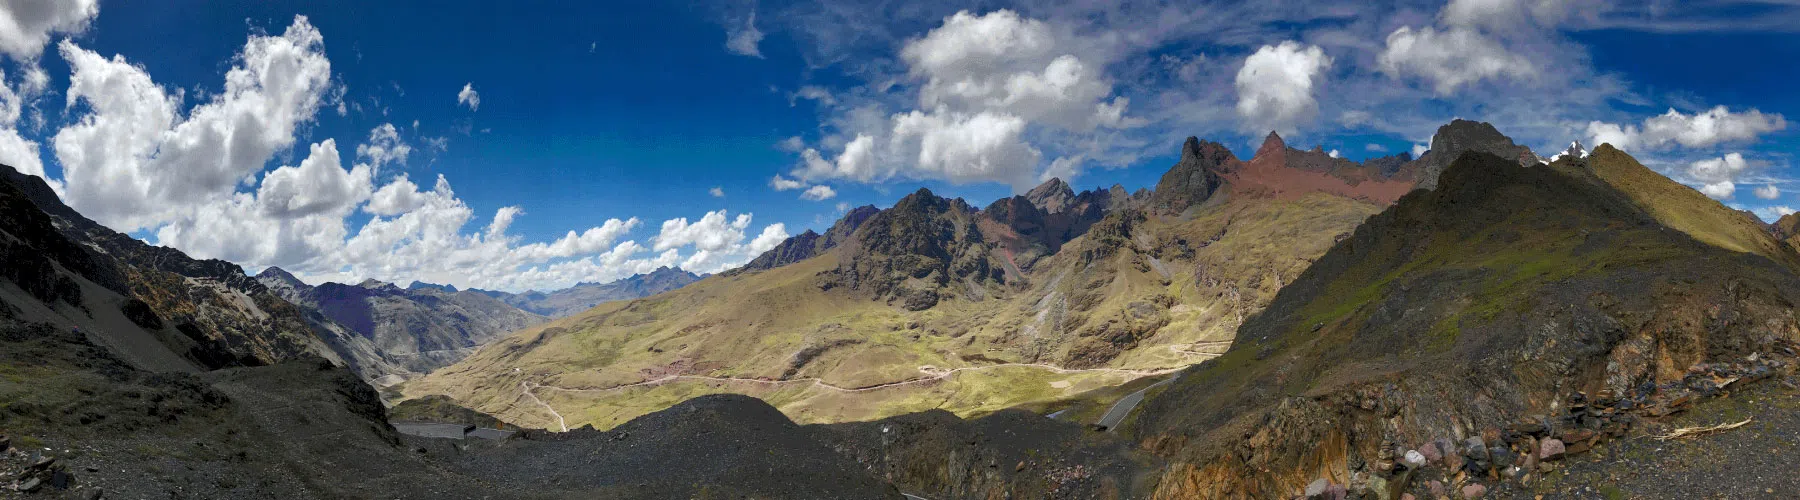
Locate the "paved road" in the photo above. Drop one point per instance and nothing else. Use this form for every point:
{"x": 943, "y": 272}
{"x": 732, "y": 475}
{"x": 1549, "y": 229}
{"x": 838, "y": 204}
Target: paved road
{"x": 1116, "y": 415}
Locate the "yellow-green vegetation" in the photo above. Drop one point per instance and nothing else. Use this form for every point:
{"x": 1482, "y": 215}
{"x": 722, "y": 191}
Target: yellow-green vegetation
{"x": 1150, "y": 294}
{"x": 1685, "y": 209}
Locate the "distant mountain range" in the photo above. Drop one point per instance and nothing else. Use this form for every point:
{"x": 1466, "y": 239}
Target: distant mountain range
{"x": 584, "y": 296}
{"x": 420, "y": 328}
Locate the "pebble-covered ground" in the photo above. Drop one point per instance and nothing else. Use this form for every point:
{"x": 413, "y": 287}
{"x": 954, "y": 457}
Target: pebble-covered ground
{"x": 1758, "y": 460}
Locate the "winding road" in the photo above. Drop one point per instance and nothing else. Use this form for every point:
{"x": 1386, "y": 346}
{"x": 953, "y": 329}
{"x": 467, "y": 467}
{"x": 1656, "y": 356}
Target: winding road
{"x": 1116, "y": 415}
{"x": 527, "y": 386}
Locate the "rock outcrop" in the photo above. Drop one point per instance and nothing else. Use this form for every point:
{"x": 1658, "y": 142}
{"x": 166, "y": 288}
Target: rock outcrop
{"x": 1194, "y": 178}
{"x": 1462, "y": 136}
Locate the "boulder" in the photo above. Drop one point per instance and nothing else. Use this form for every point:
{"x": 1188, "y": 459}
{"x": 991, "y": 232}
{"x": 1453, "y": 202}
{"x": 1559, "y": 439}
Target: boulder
{"x": 1473, "y": 491}
{"x": 1317, "y": 488}
{"x": 1550, "y": 449}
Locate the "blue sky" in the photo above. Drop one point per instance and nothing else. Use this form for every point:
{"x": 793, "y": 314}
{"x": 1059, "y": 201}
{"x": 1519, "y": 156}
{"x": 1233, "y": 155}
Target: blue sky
{"x": 615, "y": 120}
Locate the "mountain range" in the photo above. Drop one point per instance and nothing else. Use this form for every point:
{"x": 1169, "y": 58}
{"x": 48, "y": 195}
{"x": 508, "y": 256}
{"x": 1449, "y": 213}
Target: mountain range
{"x": 934, "y": 303}
{"x": 584, "y": 296}
{"x": 1475, "y": 322}
{"x": 419, "y": 328}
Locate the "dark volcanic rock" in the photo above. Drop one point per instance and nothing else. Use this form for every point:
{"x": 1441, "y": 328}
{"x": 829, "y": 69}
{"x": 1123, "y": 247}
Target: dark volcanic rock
{"x": 1194, "y": 178}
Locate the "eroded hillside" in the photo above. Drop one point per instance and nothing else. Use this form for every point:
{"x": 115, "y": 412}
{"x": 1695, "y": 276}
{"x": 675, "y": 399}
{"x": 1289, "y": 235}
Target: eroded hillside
{"x": 936, "y": 304}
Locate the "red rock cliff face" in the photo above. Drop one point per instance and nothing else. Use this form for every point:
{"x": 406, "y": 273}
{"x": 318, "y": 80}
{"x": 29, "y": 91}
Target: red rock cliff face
{"x": 1281, "y": 172}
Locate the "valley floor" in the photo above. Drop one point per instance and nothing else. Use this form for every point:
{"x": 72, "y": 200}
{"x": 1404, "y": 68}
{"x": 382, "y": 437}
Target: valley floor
{"x": 812, "y": 400}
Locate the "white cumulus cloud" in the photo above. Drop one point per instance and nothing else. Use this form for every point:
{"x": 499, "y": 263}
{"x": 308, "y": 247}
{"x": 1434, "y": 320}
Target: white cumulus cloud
{"x": 1451, "y": 58}
{"x": 1275, "y": 86}
{"x": 132, "y": 156}
{"x": 384, "y": 146}
{"x": 1699, "y": 130}
{"x": 1768, "y": 192}
{"x": 27, "y": 25}
{"x": 199, "y": 180}
{"x": 819, "y": 193}
{"x": 469, "y": 97}
{"x": 985, "y": 87}
{"x": 1718, "y": 176}
{"x": 780, "y": 183}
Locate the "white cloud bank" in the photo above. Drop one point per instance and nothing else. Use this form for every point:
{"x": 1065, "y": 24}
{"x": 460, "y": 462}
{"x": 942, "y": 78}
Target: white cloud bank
{"x": 27, "y": 25}
{"x": 985, "y": 86}
{"x": 135, "y": 160}
{"x": 1699, "y": 130}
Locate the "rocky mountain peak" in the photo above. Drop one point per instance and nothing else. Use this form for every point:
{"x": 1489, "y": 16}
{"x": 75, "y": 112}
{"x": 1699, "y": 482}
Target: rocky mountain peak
{"x": 810, "y": 244}
{"x": 374, "y": 284}
{"x": 420, "y": 285}
{"x": 1193, "y": 179}
{"x": 1575, "y": 151}
{"x": 1052, "y": 196}
{"x": 1461, "y": 136}
{"x": 1272, "y": 144}
{"x": 279, "y": 275}
{"x": 922, "y": 201}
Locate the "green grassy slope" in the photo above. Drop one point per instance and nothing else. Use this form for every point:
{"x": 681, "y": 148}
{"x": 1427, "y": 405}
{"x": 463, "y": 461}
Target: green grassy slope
{"x": 1458, "y": 309}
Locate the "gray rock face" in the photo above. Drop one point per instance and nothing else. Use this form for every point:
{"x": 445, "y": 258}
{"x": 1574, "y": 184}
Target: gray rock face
{"x": 1052, "y": 196}
{"x": 1462, "y": 136}
{"x": 1194, "y": 178}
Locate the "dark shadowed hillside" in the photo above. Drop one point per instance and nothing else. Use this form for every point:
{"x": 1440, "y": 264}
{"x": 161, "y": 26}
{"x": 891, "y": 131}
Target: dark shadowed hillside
{"x": 420, "y": 329}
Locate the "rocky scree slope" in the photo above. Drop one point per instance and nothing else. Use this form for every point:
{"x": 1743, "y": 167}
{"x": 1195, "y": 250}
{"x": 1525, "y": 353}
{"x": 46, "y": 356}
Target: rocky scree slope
{"x": 206, "y": 311}
{"x": 419, "y": 329}
{"x": 1508, "y": 294}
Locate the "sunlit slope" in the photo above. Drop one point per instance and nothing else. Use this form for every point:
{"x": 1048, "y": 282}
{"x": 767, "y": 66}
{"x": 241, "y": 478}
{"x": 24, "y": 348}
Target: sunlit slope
{"x": 1490, "y": 299}
{"x": 1137, "y": 294}
{"x": 1684, "y": 209}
